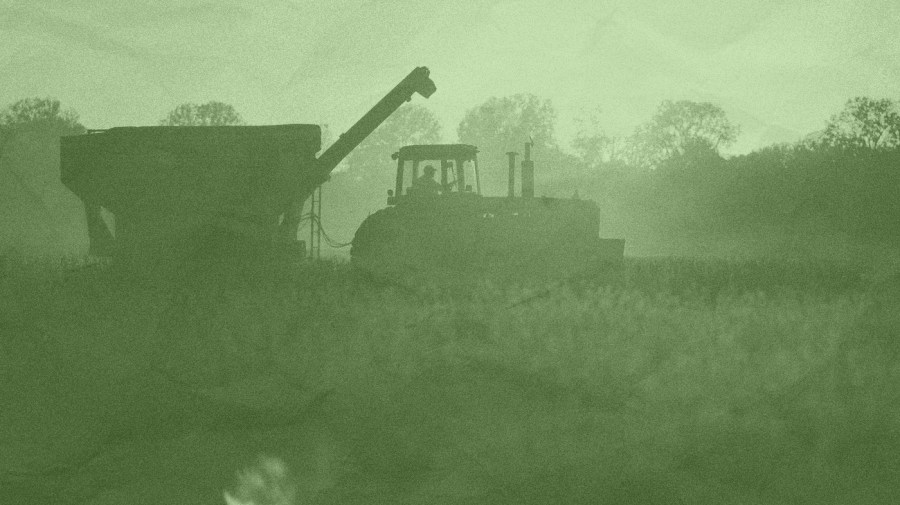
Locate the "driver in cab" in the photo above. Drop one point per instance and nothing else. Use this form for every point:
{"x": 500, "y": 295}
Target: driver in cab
{"x": 426, "y": 185}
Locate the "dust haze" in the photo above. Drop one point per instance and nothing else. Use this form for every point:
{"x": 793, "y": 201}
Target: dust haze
{"x": 285, "y": 252}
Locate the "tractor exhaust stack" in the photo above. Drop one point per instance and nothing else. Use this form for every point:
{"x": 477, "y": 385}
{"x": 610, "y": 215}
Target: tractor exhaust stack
{"x": 528, "y": 172}
{"x": 512, "y": 173}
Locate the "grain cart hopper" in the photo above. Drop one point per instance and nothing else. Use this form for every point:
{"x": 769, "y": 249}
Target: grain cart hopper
{"x": 167, "y": 188}
{"x": 456, "y": 234}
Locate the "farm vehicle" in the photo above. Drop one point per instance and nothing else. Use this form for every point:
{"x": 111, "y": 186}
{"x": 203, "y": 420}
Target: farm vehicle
{"x": 154, "y": 194}
{"x": 159, "y": 196}
{"x": 452, "y": 233}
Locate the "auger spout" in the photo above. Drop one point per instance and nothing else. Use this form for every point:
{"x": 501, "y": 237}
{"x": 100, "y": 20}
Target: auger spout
{"x": 418, "y": 81}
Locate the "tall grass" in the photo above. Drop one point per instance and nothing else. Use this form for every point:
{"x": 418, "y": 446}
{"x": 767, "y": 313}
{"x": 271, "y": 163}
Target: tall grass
{"x": 674, "y": 381}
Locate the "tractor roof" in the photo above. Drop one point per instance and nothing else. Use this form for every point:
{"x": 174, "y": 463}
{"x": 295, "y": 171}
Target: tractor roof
{"x": 437, "y": 152}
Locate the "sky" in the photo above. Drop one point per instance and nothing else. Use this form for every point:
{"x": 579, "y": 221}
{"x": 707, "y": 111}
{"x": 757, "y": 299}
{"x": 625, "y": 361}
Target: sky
{"x": 779, "y": 68}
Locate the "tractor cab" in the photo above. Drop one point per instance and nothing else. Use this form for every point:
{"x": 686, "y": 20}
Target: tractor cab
{"x": 440, "y": 170}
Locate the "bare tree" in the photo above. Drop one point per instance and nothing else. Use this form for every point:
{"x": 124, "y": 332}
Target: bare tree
{"x": 410, "y": 124}
{"x": 44, "y": 215}
{"x": 865, "y": 123}
{"x": 39, "y": 114}
{"x": 593, "y": 146}
{"x": 682, "y": 128}
{"x": 42, "y": 117}
{"x": 504, "y": 124}
{"x": 208, "y": 114}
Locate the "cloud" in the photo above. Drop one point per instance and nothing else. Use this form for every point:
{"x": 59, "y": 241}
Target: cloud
{"x": 167, "y": 67}
{"x": 37, "y": 23}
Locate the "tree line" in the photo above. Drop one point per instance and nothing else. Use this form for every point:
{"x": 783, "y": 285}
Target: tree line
{"x": 679, "y": 131}
{"x": 667, "y": 177}
{"x": 668, "y": 181}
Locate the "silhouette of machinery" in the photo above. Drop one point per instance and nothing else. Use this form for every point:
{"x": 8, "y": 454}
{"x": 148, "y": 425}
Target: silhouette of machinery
{"x": 169, "y": 193}
{"x": 459, "y": 234}
{"x": 157, "y": 196}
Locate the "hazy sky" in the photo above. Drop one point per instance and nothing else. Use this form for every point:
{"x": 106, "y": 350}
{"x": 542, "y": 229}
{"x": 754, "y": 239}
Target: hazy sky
{"x": 779, "y": 68}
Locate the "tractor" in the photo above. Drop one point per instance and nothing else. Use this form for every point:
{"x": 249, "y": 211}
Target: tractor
{"x": 456, "y": 234}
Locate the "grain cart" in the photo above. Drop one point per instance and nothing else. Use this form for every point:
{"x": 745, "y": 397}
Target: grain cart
{"x": 167, "y": 191}
{"x": 457, "y": 234}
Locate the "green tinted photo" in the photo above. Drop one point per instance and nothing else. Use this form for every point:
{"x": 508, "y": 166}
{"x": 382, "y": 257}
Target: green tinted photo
{"x": 297, "y": 252}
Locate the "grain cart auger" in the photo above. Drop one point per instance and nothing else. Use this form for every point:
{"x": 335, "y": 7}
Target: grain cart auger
{"x": 165, "y": 189}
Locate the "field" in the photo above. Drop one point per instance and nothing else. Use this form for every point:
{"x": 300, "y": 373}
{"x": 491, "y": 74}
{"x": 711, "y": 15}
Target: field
{"x": 673, "y": 381}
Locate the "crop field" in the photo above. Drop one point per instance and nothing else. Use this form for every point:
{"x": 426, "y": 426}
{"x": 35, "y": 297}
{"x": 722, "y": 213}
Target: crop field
{"x": 669, "y": 381}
